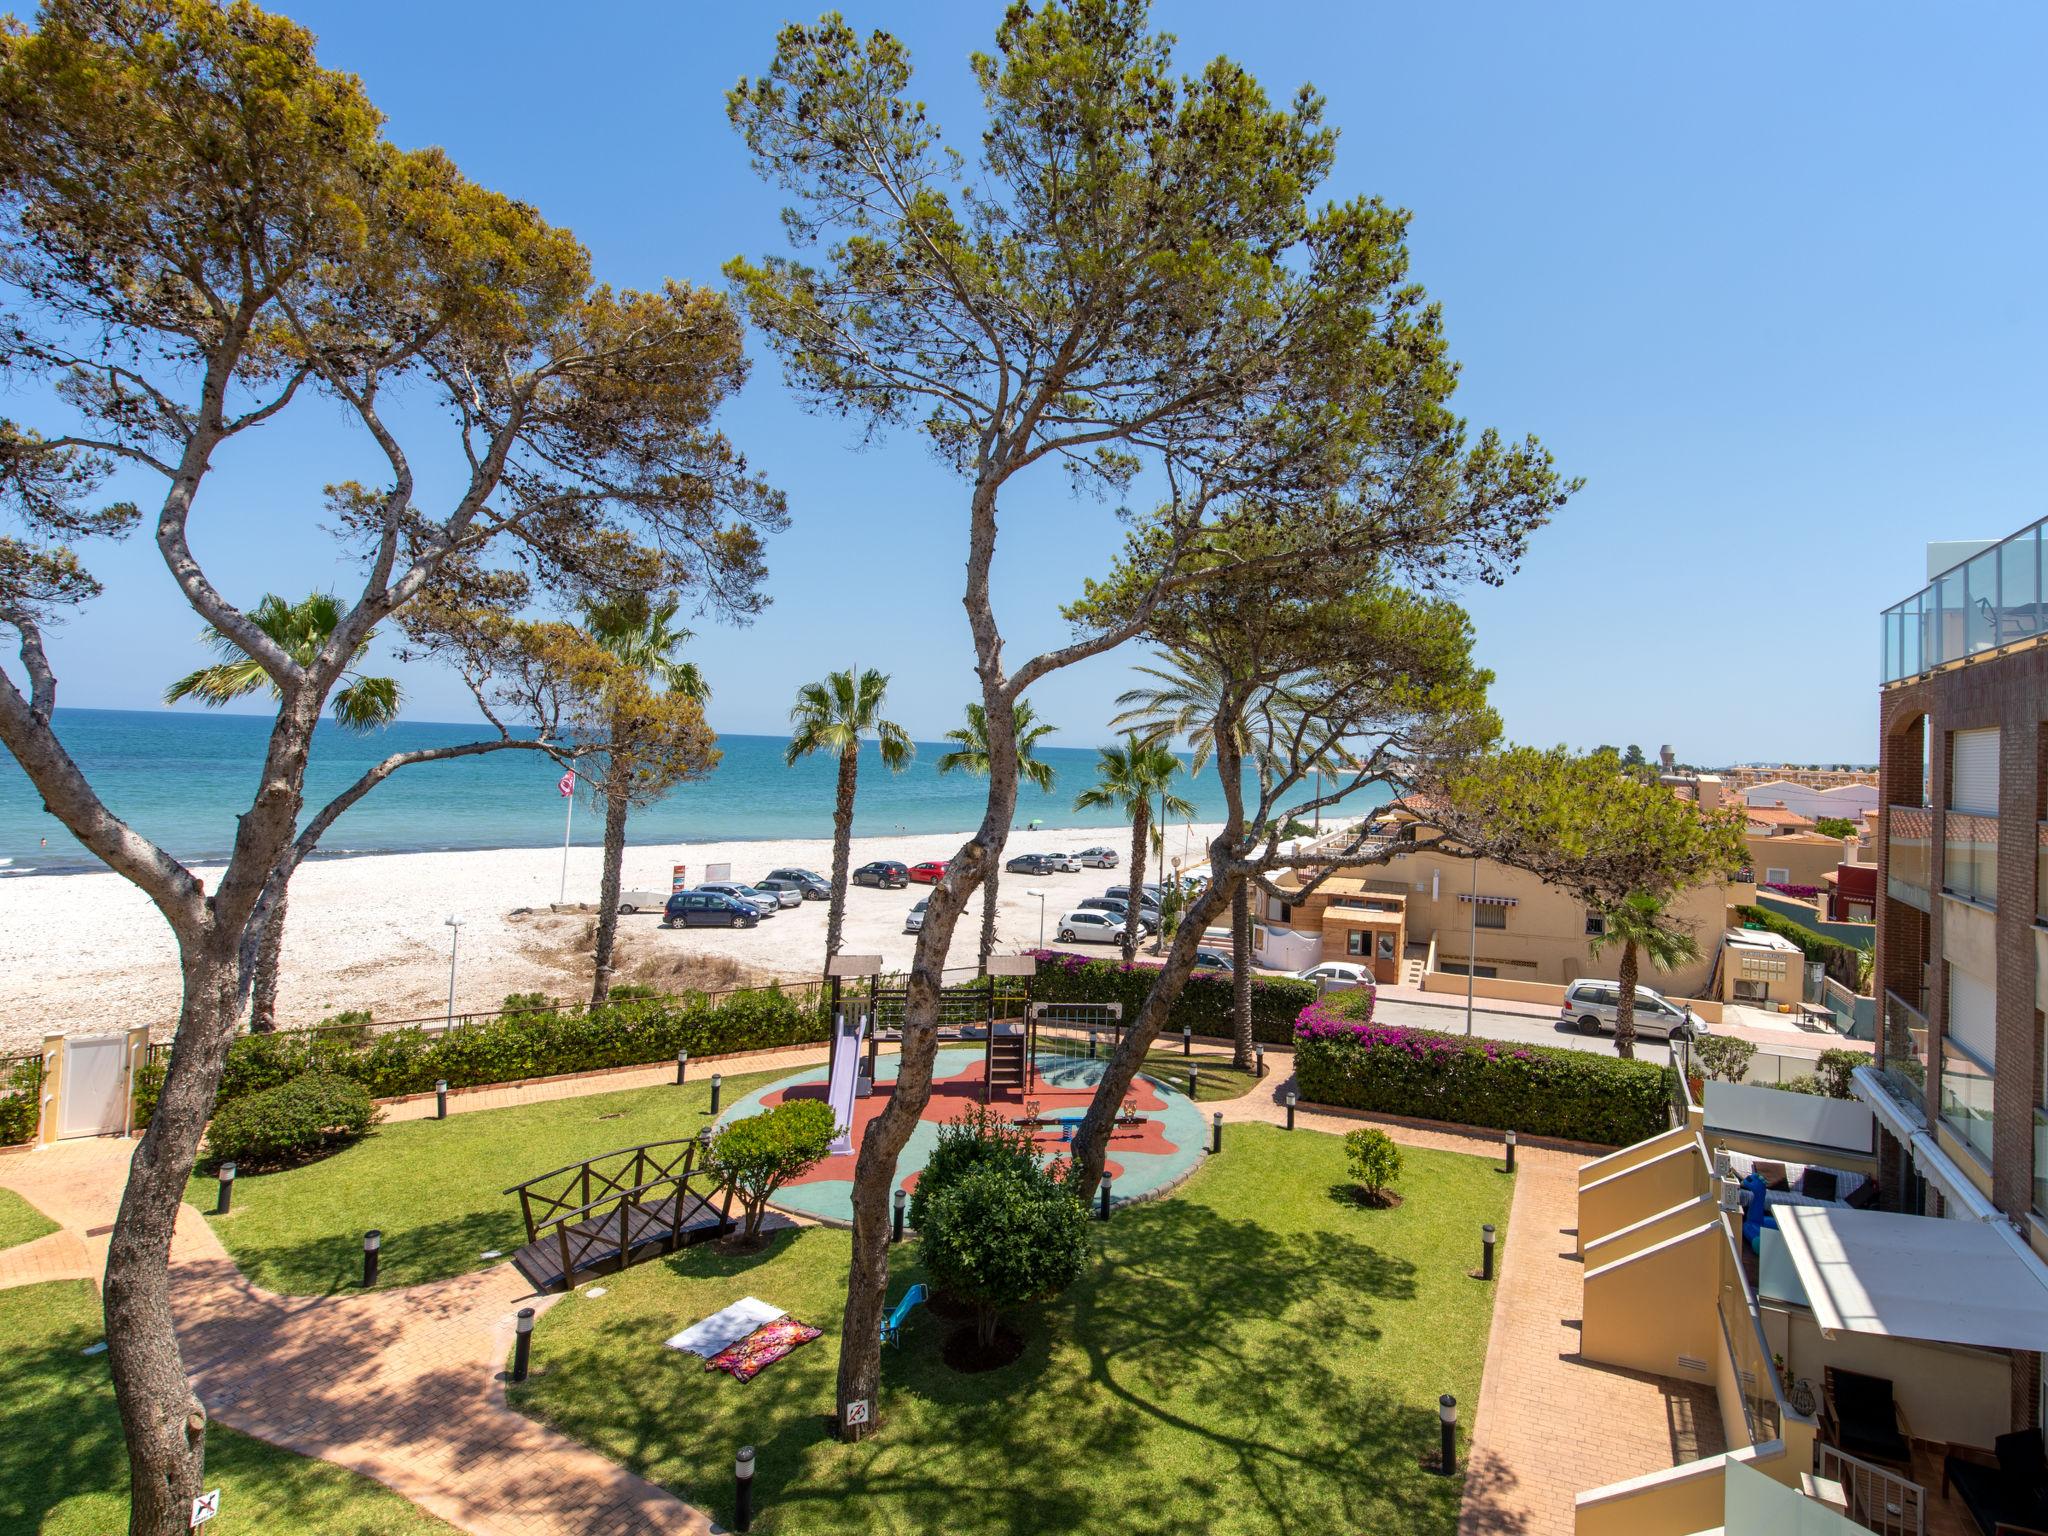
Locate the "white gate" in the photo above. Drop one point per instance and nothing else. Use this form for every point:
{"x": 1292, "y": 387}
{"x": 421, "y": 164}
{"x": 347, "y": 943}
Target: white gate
{"x": 93, "y": 1091}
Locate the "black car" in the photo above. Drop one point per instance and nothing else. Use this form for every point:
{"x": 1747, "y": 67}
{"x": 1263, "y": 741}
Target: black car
{"x": 805, "y": 884}
{"x": 708, "y": 909}
{"x": 1148, "y": 898}
{"x": 886, "y": 874}
{"x": 1031, "y": 864}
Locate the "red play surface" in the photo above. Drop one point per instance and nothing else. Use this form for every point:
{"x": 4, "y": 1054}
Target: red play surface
{"x": 951, "y": 1097}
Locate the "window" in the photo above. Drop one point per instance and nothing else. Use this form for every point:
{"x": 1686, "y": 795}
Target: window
{"x": 1973, "y": 772}
{"x": 1596, "y": 925}
{"x": 1354, "y": 942}
{"x": 1967, "y": 1056}
{"x": 1774, "y": 875}
{"x": 1488, "y": 915}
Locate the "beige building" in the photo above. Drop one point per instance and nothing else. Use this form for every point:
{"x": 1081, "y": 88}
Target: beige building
{"x": 1798, "y": 858}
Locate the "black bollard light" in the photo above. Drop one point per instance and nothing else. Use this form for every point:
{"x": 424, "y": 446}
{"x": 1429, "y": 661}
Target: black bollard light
{"x": 441, "y": 1099}
{"x": 1105, "y": 1197}
{"x": 743, "y": 1489}
{"x": 717, "y": 1087}
{"x": 226, "y": 1200}
{"x": 896, "y": 1234}
{"x": 1486, "y": 1252}
{"x": 1187, "y": 1039}
{"x": 1291, "y": 1101}
{"x": 373, "y": 1241}
{"x": 682, "y": 1066}
{"x": 1511, "y": 1151}
{"x": 522, "y": 1344}
{"x": 1258, "y": 1061}
{"x": 1447, "y": 1412}
{"x": 1192, "y": 1080}
{"x": 1216, "y": 1133}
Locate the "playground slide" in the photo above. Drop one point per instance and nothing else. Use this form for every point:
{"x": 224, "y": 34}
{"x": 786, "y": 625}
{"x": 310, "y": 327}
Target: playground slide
{"x": 845, "y": 1069}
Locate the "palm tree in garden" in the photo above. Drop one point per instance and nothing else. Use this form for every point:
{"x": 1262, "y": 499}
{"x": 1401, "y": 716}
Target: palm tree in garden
{"x": 1640, "y": 925}
{"x": 836, "y": 715}
{"x": 1128, "y": 776}
{"x": 970, "y": 755}
{"x": 643, "y": 637}
{"x": 360, "y": 703}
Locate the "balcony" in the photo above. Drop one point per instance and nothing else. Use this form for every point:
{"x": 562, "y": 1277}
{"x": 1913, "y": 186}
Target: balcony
{"x": 1904, "y": 1067}
{"x": 2041, "y": 871}
{"x": 1970, "y": 857}
{"x": 1966, "y": 1098}
{"x": 1909, "y": 835}
{"x": 1992, "y": 599}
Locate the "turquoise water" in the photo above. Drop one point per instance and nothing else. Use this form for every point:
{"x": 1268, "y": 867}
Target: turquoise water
{"x": 181, "y": 779}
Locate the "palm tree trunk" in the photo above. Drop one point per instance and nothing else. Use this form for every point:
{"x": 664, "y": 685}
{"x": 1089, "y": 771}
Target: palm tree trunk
{"x": 988, "y": 910}
{"x": 263, "y": 986}
{"x": 1241, "y": 975}
{"x": 608, "y": 890}
{"x": 1140, "y": 824}
{"x": 1625, "y": 1009}
{"x": 842, "y": 848}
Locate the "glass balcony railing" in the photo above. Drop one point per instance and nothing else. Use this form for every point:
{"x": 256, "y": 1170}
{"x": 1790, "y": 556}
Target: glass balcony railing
{"x": 2041, "y": 1162}
{"x": 1904, "y": 1064}
{"x": 1966, "y": 1098}
{"x": 1969, "y": 865}
{"x": 1909, "y": 835}
{"x": 2041, "y": 871}
{"x": 1991, "y": 599}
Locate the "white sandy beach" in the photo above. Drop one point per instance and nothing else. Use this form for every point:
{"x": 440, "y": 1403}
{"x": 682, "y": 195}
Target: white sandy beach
{"x": 88, "y": 952}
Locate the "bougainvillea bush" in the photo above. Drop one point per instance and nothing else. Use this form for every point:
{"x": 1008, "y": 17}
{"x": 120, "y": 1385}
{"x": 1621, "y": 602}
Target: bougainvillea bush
{"x": 1545, "y": 1091}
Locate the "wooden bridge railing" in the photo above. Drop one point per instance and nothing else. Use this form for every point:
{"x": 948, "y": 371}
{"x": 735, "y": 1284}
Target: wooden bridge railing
{"x": 605, "y": 1207}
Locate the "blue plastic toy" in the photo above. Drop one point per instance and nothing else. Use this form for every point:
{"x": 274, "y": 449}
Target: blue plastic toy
{"x": 892, "y": 1325}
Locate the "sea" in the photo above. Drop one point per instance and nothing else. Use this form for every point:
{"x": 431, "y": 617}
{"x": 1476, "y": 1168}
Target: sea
{"x": 180, "y": 778}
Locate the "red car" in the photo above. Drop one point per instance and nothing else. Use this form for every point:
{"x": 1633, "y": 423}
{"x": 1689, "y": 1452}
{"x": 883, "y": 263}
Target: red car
{"x": 930, "y": 872}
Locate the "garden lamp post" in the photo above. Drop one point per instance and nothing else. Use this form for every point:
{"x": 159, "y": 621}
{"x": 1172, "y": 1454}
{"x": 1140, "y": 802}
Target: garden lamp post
{"x": 454, "y": 926}
{"x": 1472, "y": 947}
{"x": 1041, "y": 916}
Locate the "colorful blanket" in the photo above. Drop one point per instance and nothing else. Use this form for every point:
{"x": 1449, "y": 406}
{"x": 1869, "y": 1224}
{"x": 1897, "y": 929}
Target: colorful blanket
{"x": 762, "y": 1348}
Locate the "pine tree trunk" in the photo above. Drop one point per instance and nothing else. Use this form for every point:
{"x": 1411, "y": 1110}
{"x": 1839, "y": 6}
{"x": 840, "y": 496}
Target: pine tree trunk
{"x": 988, "y": 909}
{"x": 263, "y": 988}
{"x": 615, "y": 808}
{"x": 842, "y": 848}
{"x": 1625, "y": 1010}
{"x": 1241, "y": 975}
{"x": 1140, "y": 824}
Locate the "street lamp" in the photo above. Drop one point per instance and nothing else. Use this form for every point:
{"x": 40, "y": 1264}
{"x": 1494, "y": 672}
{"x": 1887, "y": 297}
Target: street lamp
{"x": 454, "y": 924}
{"x": 1472, "y": 947}
{"x": 1041, "y": 916}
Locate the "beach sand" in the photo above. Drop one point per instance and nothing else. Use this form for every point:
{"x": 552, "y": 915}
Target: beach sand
{"x": 81, "y": 954}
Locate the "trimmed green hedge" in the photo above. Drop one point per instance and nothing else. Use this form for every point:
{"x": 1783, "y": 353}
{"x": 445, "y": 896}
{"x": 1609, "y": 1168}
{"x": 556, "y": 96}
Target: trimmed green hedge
{"x": 1203, "y": 1005}
{"x": 291, "y": 1123}
{"x": 1541, "y": 1090}
{"x": 538, "y": 1044}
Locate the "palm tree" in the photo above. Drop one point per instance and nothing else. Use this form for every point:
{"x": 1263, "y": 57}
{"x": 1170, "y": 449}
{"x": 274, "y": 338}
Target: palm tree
{"x": 643, "y": 637}
{"x": 1128, "y": 775}
{"x": 970, "y": 755}
{"x": 301, "y": 630}
{"x": 1640, "y": 923}
{"x": 835, "y": 716}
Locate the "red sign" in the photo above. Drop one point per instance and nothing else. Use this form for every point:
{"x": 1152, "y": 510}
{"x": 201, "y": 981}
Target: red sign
{"x": 681, "y": 881}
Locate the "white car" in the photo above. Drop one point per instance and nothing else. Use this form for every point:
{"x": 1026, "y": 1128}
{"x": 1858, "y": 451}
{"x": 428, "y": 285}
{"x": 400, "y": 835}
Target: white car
{"x": 1065, "y": 863}
{"x": 1594, "y": 1005}
{"x": 1337, "y": 975}
{"x": 1082, "y": 927}
{"x": 913, "y": 920}
{"x": 767, "y": 903}
{"x": 1096, "y": 858}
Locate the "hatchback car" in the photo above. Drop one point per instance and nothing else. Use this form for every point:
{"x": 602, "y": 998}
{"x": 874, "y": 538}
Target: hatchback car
{"x": 1066, "y": 863}
{"x": 884, "y": 874}
{"x": 1213, "y": 960}
{"x": 1096, "y": 858}
{"x": 1082, "y": 927}
{"x": 1148, "y": 897}
{"x": 1116, "y": 909}
{"x": 708, "y": 909}
{"x": 767, "y": 903}
{"x": 1593, "y": 1006}
{"x": 794, "y": 892}
{"x": 815, "y": 886}
{"x": 913, "y": 920}
{"x": 1337, "y": 975}
{"x": 930, "y": 872}
{"x": 1030, "y": 864}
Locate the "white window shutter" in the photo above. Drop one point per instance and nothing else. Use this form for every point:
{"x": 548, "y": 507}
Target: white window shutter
{"x": 1973, "y": 772}
{"x": 1972, "y": 1015}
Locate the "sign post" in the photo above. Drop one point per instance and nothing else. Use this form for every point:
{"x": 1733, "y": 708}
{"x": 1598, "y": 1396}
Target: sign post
{"x": 680, "y": 881}
{"x": 205, "y": 1507}
{"x": 568, "y": 788}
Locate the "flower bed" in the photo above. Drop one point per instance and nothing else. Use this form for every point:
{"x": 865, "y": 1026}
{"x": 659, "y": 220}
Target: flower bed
{"x": 1541, "y": 1090}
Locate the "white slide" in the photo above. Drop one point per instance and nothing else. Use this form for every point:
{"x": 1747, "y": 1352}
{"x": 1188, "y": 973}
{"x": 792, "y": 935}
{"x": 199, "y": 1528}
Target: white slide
{"x": 845, "y": 1070}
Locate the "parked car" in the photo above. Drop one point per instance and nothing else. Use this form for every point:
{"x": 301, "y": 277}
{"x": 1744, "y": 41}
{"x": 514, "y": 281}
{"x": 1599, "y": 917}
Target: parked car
{"x": 1146, "y": 922}
{"x": 1030, "y": 864}
{"x": 642, "y": 901}
{"x": 708, "y": 909}
{"x": 814, "y": 886}
{"x": 1066, "y": 863}
{"x": 1593, "y": 1005}
{"x": 930, "y": 872}
{"x": 884, "y": 874}
{"x": 913, "y": 920}
{"x": 1337, "y": 975}
{"x": 1148, "y": 898}
{"x": 1084, "y": 927}
{"x": 1097, "y": 858}
{"x": 794, "y": 891}
{"x": 1213, "y": 960}
{"x": 767, "y": 903}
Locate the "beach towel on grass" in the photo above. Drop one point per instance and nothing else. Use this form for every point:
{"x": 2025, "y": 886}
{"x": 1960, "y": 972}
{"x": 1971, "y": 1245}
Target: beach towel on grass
{"x": 762, "y": 1348}
{"x": 726, "y": 1327}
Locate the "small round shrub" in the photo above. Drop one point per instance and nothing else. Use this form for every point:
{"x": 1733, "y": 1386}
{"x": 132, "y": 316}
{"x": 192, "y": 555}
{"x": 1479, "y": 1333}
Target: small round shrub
{"x": 291, "y": 1123}
{"x": 1001, "y": 1235}
{"x": 980, "y": 1138}
{"x": 754, "y": 1157}
{"x": 1374, "y": 1160}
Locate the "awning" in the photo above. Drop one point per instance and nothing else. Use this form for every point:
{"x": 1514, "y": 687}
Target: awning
{"x": 1885, "y": 1273}
{"x": 1491, "y": 901}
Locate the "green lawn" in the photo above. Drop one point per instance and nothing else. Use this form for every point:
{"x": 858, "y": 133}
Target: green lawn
{"x": 436, "y": 1188}
{"x": 21, "y": 1222}
{"x": 1256, "y": 1353}
{"x": 1215, "y": 1077}
{"x": 64, "y": 1471}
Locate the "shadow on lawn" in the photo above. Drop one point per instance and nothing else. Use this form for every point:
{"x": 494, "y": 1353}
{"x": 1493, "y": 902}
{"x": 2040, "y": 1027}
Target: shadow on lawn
{"x": 331, "y": 1264}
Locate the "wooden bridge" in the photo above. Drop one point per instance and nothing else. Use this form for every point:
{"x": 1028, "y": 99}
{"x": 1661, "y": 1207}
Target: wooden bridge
{"x": 612, "y": 1210}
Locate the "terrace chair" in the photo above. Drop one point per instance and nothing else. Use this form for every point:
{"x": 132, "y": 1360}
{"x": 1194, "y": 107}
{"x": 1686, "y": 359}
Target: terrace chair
{"x": 1757, "y": 1215}
{"x": 2005, "y": 1488}
{"x": 1860, "y": 1416}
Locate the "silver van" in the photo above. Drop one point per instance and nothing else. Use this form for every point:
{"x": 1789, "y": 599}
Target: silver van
{"x": 1592, "y": 1006}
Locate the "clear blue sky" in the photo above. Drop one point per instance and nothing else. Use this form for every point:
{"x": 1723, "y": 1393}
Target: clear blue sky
{"x": 1769, "y": 278}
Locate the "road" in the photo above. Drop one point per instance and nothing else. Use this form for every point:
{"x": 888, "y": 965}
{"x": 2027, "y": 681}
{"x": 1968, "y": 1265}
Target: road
{"x": 1515, "y": 1028}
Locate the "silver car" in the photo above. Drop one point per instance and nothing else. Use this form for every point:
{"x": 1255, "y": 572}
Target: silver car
{"x": 767, "y": 903}
{"x": 1096, "y": 858}
{"x": 1592, "y": 1006}
{"x": 1065, "y": 863}
{"x": 913, "y": 920}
